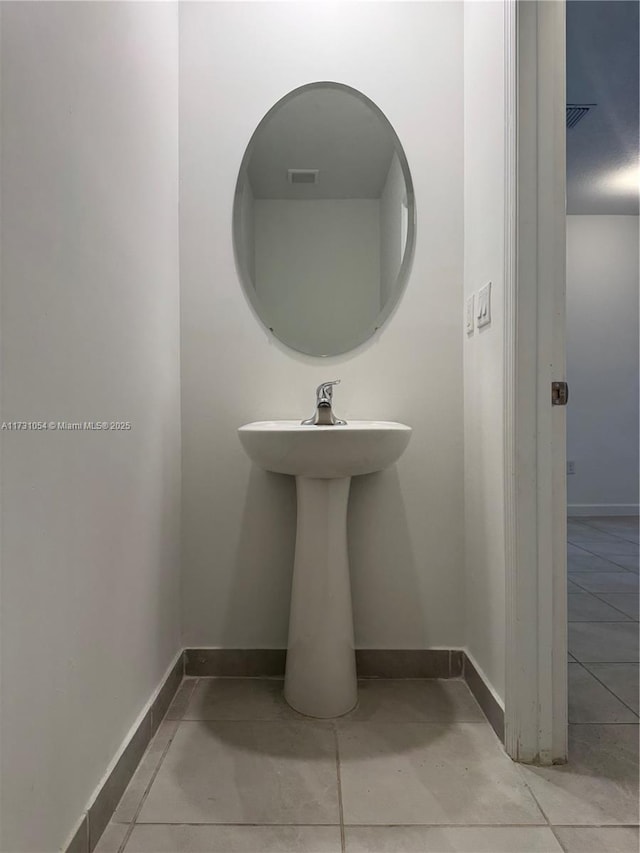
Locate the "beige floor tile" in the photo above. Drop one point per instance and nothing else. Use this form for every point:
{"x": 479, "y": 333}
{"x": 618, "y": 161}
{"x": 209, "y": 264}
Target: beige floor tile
{"x": 450, "y": 839}
{"x": 239, "y": 699}
{"x": 604, "y": 642}
{"x": 606, "y": 581}
{"x": 585, "y": 607}
{"x": 234, "y": 839}
{"x": 427, "y": 773}
{"x": 621, "y": 679}
{"x": 627, "y": 603}
{"x": 413, "y": 701}
{"x": 598, "y": 839}
{"x": 599, "y": 785}
{"x": 112, "y": 838}
{"x": 137, "y": 787}
{"x": 246, "y": 772}
{"x": 591, "y": 702}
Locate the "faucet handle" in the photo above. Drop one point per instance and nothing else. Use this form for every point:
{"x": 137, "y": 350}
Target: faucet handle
{"x": 324, "y": 392}
{"x": 324, "y": 415}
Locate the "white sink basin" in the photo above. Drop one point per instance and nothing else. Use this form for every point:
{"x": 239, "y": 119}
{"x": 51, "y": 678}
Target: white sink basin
{"x": 320, "y": 678}
{"x": 325, "y": 452}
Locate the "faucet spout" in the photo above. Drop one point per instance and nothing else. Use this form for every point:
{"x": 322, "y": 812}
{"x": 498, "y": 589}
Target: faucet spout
{"x": 324, "y": 402}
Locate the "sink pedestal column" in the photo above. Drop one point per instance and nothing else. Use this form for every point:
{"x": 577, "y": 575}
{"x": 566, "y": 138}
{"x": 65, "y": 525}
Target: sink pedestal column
{"x": 320, "y": 678}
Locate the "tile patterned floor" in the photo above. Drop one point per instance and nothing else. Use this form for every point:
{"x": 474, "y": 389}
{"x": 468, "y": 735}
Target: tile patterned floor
{"x": 416, "y": 767}
{"x": 603, "y": 620}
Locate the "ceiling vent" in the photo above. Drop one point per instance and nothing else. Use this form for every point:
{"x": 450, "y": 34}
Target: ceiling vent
{"x": 303, "y": 176}
{"x": 576, "y": 112}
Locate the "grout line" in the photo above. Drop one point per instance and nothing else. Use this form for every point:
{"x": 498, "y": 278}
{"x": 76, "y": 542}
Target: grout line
{"x": 411, "y": 825}
{"x": 557, "y": 838}
{"x": 327, "y": 721}
{"x": 609, "y": 559}
{"x": 601, "y": 621}
{"x": 580, "y": 519}
{"x": 572, "y": 577}
{"x": 593, "y": 675}
{"x": 339, "y": 778}
{"x": 612, "y": 560}
{"x": 536, "y": 801}
{"x": 598, "y": 825}
{"x": 214, "y": 677}
{"x": 609, "y": 533}
{"x": 598, "y": 594}
{"x": 596, "y": 544}
{"x": 617, "y": 568}
{"x": 402, "y": 825}
{"x": 367, "y": 678}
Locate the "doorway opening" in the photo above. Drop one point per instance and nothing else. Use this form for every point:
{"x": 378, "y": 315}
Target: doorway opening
{"x": 602, "y": 364}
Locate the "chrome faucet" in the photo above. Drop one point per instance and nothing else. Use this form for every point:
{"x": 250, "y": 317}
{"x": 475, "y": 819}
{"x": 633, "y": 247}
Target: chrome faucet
{"x": 324, "y": 413}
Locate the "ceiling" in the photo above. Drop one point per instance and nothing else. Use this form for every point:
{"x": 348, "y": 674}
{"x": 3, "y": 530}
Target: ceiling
{"x": 328, "y": 129}
{"x": 603, "y": 68}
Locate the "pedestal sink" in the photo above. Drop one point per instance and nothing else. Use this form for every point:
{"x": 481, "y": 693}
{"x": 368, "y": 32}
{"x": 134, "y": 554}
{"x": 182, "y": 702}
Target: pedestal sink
{"x": 320, "y": 678}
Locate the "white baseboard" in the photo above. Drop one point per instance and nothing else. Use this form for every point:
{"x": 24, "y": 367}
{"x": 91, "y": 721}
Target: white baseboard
{"x": 581, "y": 510}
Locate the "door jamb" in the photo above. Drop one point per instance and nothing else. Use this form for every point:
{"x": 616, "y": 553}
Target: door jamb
{"x": 535, "y": 490}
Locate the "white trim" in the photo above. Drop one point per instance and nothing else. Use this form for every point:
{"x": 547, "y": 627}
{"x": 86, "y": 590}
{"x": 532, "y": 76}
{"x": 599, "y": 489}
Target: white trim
{"x": 535, "y": 655}
{"x": 586, "y": 510}
{"x": 510, "y": 358}
{"x": 552, "y": 439}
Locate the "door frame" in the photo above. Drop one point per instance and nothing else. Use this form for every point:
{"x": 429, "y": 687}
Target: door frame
{"x": 536, "y": 719}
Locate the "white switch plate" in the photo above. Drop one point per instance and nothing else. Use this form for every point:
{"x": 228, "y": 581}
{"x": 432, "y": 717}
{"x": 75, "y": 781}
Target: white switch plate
{"x": 470, "y": 319}
{"x": 483, "y": 314}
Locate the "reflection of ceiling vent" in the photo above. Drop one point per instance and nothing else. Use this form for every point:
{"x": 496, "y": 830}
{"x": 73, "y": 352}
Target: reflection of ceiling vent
{"x": 303, "y": 176}
{"x": 576, "y": 112}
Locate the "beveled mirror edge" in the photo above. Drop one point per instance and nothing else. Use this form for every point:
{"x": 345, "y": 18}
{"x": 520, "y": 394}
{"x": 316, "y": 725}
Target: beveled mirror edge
{"x": 407, "y": 259}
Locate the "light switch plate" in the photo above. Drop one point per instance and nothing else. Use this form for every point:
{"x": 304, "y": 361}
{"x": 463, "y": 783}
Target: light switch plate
{"x": 483, "y": 314}
{"x": 470, "y": 318}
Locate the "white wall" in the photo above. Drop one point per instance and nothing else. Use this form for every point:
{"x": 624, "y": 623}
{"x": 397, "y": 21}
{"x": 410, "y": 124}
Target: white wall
{"x": 602, "y": 363}
{"x": 90, "y": 527}
{"x": 317, "y": 269}
{"x": 238, "y": 522}
{"x": 484, "y": 152}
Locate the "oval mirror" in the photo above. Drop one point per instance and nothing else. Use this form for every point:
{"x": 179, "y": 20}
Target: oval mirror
{"x": 324, "y": 219}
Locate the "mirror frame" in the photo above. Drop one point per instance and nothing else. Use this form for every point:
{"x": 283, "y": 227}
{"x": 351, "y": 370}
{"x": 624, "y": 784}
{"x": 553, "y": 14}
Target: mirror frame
{"x": 407, "y": 259}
